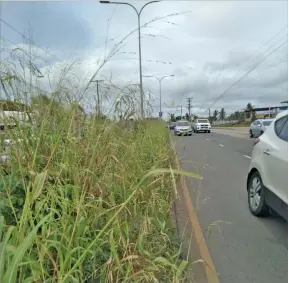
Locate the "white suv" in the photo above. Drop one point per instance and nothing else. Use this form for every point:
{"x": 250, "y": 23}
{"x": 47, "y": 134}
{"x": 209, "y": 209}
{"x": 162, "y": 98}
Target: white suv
{"x": 267, "y": 182}
{"x": 202, "y": 125}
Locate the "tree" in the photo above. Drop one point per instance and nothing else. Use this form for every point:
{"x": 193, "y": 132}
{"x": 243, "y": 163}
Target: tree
{"x": 237, "y": 115}
{"x": 222, "y": 114}
{"x": 249, "y": 107}
{"x": 173, "y": 118}
{"x": 215, "y": 115}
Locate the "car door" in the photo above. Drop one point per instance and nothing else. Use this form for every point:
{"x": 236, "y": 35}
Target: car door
{"x": 276, "y": 160}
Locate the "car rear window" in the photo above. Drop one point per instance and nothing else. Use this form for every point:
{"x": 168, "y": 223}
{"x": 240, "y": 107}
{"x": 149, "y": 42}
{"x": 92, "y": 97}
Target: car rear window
{"x": 183, "y": 123}
{"x": 203, "y": 121}
{"x": 267, "y": 123}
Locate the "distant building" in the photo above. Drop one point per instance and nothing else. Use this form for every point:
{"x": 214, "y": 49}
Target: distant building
{"x": 264, "y": 112}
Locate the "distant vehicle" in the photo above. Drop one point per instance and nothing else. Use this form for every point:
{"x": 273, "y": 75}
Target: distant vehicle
{"x": 202, "y": 125}
{"x": 259, "y": 126}
{"x": 172, "y": 125}
{"x": 267, "y": 181}
{"x": 183, "y": 128}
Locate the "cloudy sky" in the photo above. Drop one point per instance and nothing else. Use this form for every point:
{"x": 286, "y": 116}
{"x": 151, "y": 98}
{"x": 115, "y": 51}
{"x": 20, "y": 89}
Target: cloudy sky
{"x": 222, "y": 53}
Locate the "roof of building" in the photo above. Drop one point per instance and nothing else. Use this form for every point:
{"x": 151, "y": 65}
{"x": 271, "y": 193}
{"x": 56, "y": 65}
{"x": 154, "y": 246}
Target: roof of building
{"x": 268, "y": 108}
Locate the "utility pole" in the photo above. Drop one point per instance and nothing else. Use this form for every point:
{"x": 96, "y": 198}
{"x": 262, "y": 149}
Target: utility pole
{"x": 98, "y": 98}
{"x": 189, "y": 106}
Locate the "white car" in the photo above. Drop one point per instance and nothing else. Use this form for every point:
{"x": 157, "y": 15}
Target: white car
{"x": 202, "y": 125}
{"x": 183, "y": 128}
{"x": 267, "y": 182}
{"x": 259, "y": 126}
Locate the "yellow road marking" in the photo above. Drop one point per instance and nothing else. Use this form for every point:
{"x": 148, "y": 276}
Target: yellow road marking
{"x": 210, "y": 269}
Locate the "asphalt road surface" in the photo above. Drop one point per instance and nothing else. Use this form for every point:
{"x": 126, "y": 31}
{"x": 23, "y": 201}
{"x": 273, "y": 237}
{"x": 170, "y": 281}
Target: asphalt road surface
{"x": 244, "y": 248}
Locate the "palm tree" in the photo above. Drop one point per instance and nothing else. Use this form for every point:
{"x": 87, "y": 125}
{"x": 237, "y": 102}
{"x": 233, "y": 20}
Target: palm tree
{"x": 222, "y": 114}
{"x": 249, "y": 107}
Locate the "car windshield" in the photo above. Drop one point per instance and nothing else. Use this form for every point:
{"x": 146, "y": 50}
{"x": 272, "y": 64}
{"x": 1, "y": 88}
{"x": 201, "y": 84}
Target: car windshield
{"x": 203, "y": 121}
{"x": 183, "y": 123}
{"x": 267, "y": 123}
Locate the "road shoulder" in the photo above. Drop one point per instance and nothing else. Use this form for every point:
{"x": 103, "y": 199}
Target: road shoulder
{"x": 195, "y": 250}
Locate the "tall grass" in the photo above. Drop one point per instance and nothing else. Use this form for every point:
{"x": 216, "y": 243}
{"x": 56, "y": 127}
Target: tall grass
{"x": 83, "y": 199}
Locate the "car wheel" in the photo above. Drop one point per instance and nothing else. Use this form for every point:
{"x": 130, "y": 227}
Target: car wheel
{"x": 209, "y": 131}
{"x": 256, "y": 196}
{"x": 261, "y": 133}
{"x": 251, "y": 134}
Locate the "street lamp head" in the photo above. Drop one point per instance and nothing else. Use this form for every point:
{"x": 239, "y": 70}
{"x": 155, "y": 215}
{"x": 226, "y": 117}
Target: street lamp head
{"x": 104, "y": 2}
{"x": 172, "y": 75}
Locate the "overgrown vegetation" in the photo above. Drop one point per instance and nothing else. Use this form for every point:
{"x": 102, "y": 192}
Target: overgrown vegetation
{"x": 79, "y": 202}
{"x": 83, "y": 198}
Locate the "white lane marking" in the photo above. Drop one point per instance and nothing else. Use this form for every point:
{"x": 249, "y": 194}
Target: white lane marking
{"x": 247, "y": 156}
{"x": 207, "y": 139}
{"x": 221, "y": 144}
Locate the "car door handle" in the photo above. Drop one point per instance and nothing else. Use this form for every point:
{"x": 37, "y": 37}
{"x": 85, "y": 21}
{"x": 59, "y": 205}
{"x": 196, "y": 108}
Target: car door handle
{"x": 266, "y": 151}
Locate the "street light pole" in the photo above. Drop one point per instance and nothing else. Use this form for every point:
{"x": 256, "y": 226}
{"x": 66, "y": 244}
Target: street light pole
{"x": 139, "y": 46}
{"x": 160, "y": 88}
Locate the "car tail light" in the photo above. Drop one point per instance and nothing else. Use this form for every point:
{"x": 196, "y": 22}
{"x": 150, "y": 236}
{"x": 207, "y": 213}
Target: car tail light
{"x": 256, "y": 141}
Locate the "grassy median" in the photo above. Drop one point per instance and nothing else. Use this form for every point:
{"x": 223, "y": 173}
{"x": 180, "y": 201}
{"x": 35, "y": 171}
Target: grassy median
{"x": 83, "y": 200}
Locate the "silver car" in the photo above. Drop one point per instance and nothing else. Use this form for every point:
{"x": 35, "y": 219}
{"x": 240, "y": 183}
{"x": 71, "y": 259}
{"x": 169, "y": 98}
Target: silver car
{"x": 183, "y": 128}
{"x": 259, "y": 126}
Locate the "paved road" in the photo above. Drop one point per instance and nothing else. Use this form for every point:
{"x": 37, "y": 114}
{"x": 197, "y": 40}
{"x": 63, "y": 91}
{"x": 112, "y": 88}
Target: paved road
{"x": 244, "y": 249}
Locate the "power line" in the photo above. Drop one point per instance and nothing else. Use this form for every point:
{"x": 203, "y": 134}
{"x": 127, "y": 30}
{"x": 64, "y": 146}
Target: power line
{"x": 7, "y": 24}
{"x": 282, "y": 60}
{"x": 254, "y": 67}
{"x": 24, "y": 51}
{"x": 248, "y": 72}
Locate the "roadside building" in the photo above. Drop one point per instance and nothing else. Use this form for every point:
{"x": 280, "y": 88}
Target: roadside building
{"x": 264, "y": 112}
